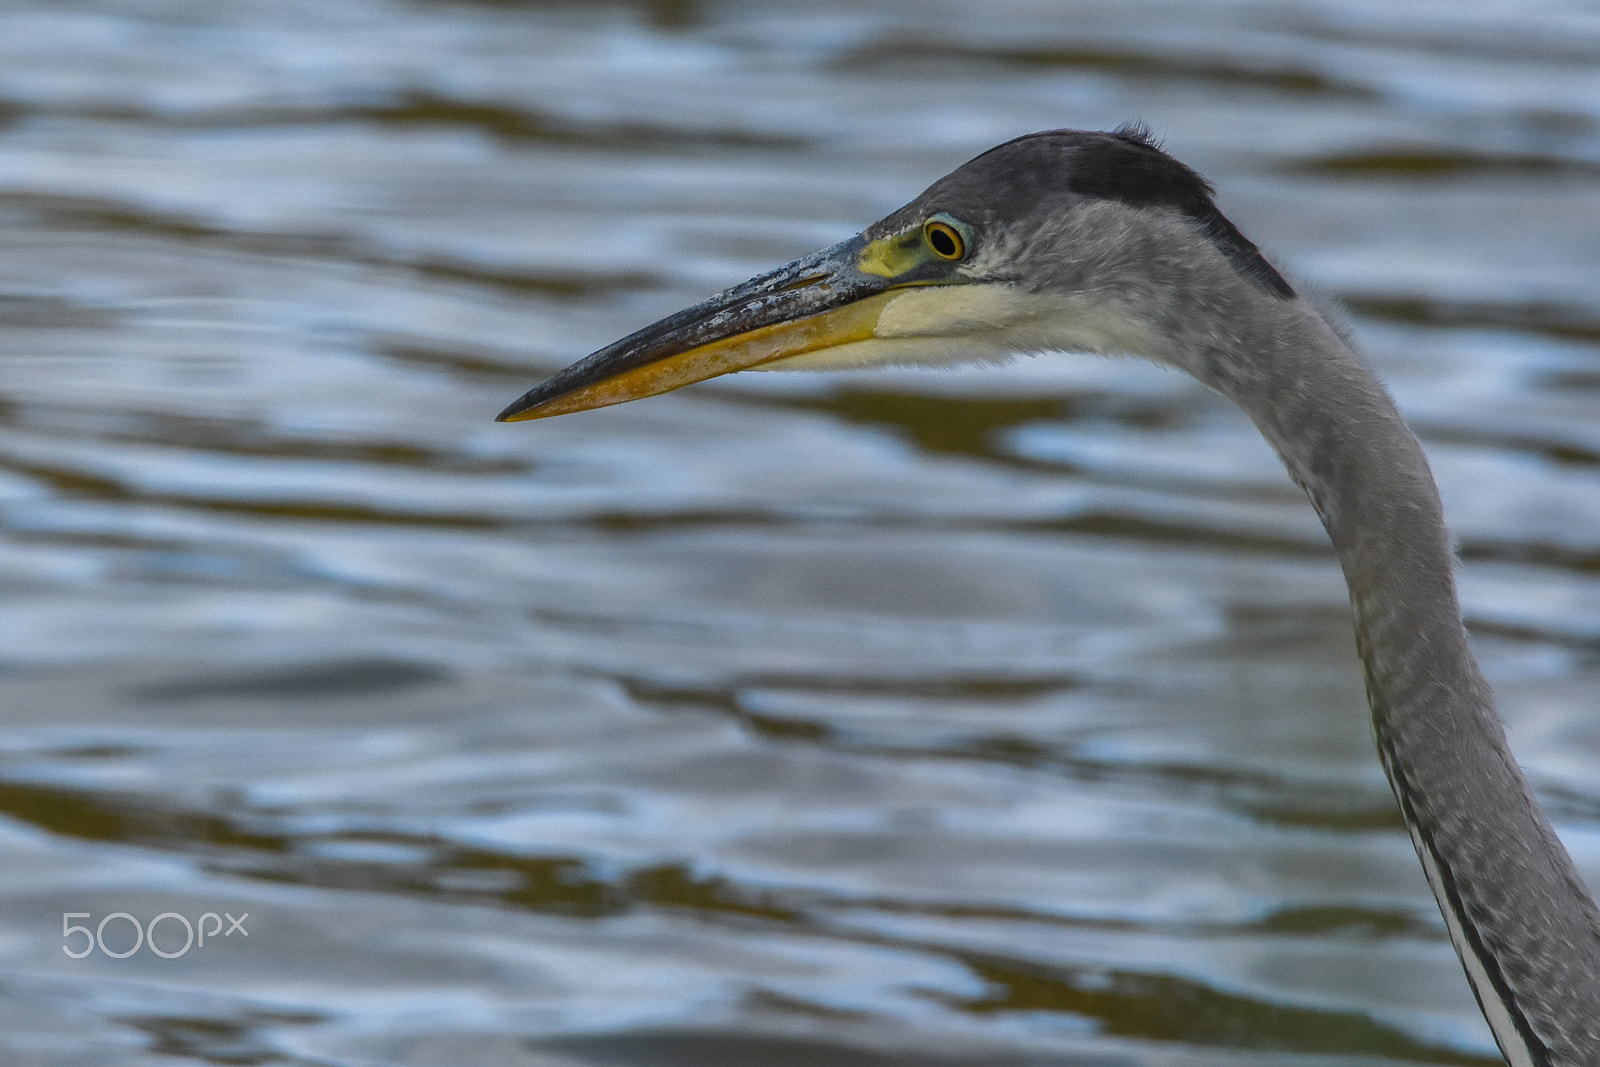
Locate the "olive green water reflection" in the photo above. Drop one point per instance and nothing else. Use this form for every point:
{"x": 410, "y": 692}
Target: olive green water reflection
{"x": 1006, "y": 716}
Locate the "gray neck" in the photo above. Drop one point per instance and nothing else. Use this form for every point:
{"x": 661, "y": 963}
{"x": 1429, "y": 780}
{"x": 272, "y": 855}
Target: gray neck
{"x": 1526, "y": 929}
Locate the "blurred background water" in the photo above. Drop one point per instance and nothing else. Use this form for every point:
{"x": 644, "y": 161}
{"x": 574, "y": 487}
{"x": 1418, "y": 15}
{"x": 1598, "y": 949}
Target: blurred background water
{"x": 1002, "y": 716}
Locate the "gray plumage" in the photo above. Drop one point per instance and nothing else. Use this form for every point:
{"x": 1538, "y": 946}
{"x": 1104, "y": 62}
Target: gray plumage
{"x": 1071, "y": 240}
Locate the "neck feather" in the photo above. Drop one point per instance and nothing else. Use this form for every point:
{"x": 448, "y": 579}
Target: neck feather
{"x": 1527, "y": 931}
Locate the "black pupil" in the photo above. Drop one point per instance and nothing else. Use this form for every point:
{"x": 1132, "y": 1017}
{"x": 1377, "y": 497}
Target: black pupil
{"x": 942, "y": 241}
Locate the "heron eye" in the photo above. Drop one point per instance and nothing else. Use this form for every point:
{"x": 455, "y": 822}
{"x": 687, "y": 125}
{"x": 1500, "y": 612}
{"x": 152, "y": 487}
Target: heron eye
{"x": 945, "y": 240}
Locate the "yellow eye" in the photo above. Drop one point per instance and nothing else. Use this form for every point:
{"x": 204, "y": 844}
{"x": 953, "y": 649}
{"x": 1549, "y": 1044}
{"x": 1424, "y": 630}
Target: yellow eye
{"x": 945, "y": 240}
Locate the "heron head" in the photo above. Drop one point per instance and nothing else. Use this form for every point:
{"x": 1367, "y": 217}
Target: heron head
{"x": 1064, "y": 240}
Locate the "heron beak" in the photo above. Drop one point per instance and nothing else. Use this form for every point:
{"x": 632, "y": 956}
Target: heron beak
{"x": 821, "y": 301}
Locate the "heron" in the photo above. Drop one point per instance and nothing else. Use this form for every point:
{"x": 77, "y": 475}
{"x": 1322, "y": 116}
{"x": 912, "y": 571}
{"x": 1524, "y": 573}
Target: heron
{"x": 1085, "y": 241}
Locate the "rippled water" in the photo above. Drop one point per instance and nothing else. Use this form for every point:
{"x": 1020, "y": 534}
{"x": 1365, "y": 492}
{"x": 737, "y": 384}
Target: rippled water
{"x": 1005, "y": 716}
